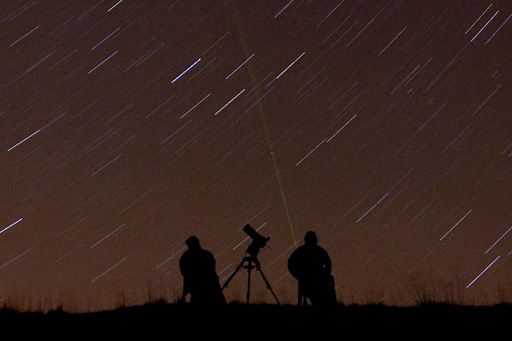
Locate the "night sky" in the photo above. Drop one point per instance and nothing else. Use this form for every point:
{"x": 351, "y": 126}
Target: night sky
{"x": 128, "y": 126}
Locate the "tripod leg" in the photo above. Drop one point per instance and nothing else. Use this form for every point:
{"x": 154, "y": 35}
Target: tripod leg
{"x": 267, "y": 283}
{"x": 232, "y": 275}
{"x": 249, "y": 283}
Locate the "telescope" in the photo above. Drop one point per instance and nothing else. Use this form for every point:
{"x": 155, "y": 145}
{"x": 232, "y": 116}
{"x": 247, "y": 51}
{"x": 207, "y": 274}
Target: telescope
{"x": 251, "y": 262}
{"x": 258, "y": 241}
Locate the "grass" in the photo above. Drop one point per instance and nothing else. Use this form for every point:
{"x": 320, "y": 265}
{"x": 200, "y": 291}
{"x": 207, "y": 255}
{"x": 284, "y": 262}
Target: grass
{"x": 259, "y": 320}
{"x": 161, "y": 316}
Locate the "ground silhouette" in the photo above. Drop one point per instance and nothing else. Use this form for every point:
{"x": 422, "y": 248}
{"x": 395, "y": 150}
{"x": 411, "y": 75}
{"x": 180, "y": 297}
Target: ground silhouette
{"x": 250, "y": 321}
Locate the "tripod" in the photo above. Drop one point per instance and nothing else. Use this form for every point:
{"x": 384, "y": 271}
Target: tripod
{"x": 249, "y": 263}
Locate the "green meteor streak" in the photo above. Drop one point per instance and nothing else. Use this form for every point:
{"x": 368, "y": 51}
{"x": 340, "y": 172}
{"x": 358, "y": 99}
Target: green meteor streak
{"x": 262, "y": 115}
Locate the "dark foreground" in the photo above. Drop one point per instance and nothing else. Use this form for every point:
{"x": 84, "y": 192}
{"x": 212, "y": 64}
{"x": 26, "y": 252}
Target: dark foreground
{"x": 240, "y": 321}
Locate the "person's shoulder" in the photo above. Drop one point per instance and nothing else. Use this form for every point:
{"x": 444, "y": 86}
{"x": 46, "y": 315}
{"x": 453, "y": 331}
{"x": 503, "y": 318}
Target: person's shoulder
{"x": 321, "y": 250}
{"x": 185, "y": 254}
{"x": 300, "y": 250}
{"x": 319, "y": 247}
{"x": 205, "y": 253}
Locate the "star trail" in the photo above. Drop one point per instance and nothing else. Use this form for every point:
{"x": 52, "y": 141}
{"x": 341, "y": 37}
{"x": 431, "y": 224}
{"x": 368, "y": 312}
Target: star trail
{"x": 128, "y": 126}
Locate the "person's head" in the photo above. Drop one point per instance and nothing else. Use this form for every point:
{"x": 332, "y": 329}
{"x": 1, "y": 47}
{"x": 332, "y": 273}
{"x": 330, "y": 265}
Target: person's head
{"x": 310, "y": 238}
{"x": 193, "y": 243}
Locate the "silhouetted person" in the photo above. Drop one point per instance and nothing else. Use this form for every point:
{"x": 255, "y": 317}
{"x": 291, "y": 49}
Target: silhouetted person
{"x": 311, "y": 266}
{"x": 199, "y": 277}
